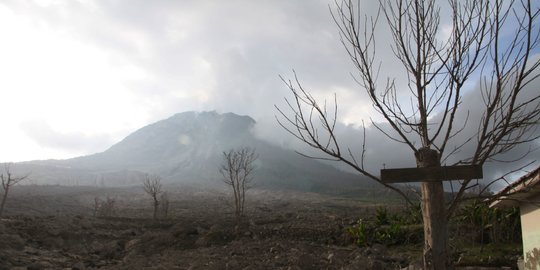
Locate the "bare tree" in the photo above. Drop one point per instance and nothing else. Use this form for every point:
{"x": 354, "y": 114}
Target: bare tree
{"x": 237, "y": 170}
{"x": 438, "y": 71}
{"x": 97, "y": 204}
{"x": 152, "y": 186}
{"x": 164, "y": 202}
{"x": 104, "y": 208}
{"x": 8, "y": 180}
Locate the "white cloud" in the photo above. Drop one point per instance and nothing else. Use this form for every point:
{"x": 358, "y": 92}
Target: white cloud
{"x": 48, "y": 74}
{"x": 91, "y": 72}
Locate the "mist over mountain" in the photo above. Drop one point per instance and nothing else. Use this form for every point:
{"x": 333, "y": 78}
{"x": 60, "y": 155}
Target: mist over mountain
{"x": 187, "y": 148}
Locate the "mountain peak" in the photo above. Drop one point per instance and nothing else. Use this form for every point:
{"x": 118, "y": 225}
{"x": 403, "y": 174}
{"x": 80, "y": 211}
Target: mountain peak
{"x": 180, "y": 138}
{"x": 211, "y": 115}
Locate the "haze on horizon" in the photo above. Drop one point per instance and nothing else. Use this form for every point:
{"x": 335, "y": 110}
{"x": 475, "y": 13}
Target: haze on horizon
{"x": 78, "y": 76}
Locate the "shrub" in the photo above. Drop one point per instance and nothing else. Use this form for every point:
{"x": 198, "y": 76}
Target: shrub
{"x": 104, "y": 208}
{"x": 367, "y": 233}
{"x": 489, "y": 224}
{"x": 359, "y": 233}
{"x": 389, "y": 229}
{"x": 381, "y": 216}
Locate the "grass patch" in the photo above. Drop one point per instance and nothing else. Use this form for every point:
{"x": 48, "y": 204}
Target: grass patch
{"x": 488, "y": 255}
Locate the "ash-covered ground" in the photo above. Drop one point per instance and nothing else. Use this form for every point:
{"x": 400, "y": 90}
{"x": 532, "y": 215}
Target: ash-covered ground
{"x": 54, "y": 227}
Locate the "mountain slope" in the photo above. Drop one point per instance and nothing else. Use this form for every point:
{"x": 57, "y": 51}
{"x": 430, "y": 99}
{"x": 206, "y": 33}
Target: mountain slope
{"x": 187, "y": 147}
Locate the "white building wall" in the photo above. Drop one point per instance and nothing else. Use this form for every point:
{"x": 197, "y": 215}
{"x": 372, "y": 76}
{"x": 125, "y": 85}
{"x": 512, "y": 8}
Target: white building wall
{"x": 530, "y": 228}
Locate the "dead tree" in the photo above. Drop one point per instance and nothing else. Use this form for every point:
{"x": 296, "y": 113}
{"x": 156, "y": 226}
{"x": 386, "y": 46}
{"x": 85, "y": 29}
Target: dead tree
{"x": 97, "y": 204}
{"x": 426, "y": 120}
{"x": 8, "y": 180}
{"x": 164, "y": 202}
{"x": 237, "y": 171}
{"x": 104, "y": 208}
{"x": 152, "y": 186}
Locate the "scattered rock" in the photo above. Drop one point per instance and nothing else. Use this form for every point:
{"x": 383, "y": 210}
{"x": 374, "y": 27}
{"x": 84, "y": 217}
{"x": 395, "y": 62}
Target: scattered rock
{"x": 78, "y": 266}
{"x": 40, "y": 265}
{"x": 11, "y": 241}
{"x": 54, "y": 231}
{"x": 181, "y": 231}
{"x": 232, "y": 264}
{"x": 131, "y": 244}
{"x": 215, "y": 236}
{"x": 54, "y": 242}
{"x": 306, "y": 261}
{"x": 376, "y": 265}
{"x": 330, "y": 256}
{"x": 416, "y": 265}
{"x": 110, "y": 250}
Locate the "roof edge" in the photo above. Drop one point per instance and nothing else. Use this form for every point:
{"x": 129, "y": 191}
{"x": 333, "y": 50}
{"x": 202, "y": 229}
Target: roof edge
{"x": 523, "y": 188}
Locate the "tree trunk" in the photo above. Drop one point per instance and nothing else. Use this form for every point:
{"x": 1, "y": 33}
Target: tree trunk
{"x": 156, "y": 203}
{"x": 6, "y": 190}
{"x": 434, "y": 215}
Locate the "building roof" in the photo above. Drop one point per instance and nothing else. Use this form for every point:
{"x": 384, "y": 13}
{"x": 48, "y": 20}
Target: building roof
{"x": 519, "y": 191}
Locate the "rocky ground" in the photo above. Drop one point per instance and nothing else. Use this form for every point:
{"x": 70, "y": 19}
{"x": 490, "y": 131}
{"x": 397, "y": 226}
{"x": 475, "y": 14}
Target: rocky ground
{"x": 54, "y": 228}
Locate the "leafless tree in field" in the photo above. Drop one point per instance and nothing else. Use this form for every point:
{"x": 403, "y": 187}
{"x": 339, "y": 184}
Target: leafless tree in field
{"x": 237, "y": 171}
{"x": 438, "y": 71}
{"x": 104, "y": 208}
{"x": 164, "y": 202}
{"x": 97, "y": 203}
{"x": 8, "y": 180}
{"x": 152, "y": 186}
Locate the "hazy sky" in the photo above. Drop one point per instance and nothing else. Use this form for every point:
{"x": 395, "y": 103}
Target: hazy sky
{"x": 77, "y": 76}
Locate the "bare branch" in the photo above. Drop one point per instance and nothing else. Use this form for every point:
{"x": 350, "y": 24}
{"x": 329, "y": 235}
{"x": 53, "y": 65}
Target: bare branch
{"x": 306, "y": 130}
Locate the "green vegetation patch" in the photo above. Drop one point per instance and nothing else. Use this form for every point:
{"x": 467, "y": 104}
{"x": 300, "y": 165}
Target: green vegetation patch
{"x": 488, "y": 255}
{"x": 480, "y": 236}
